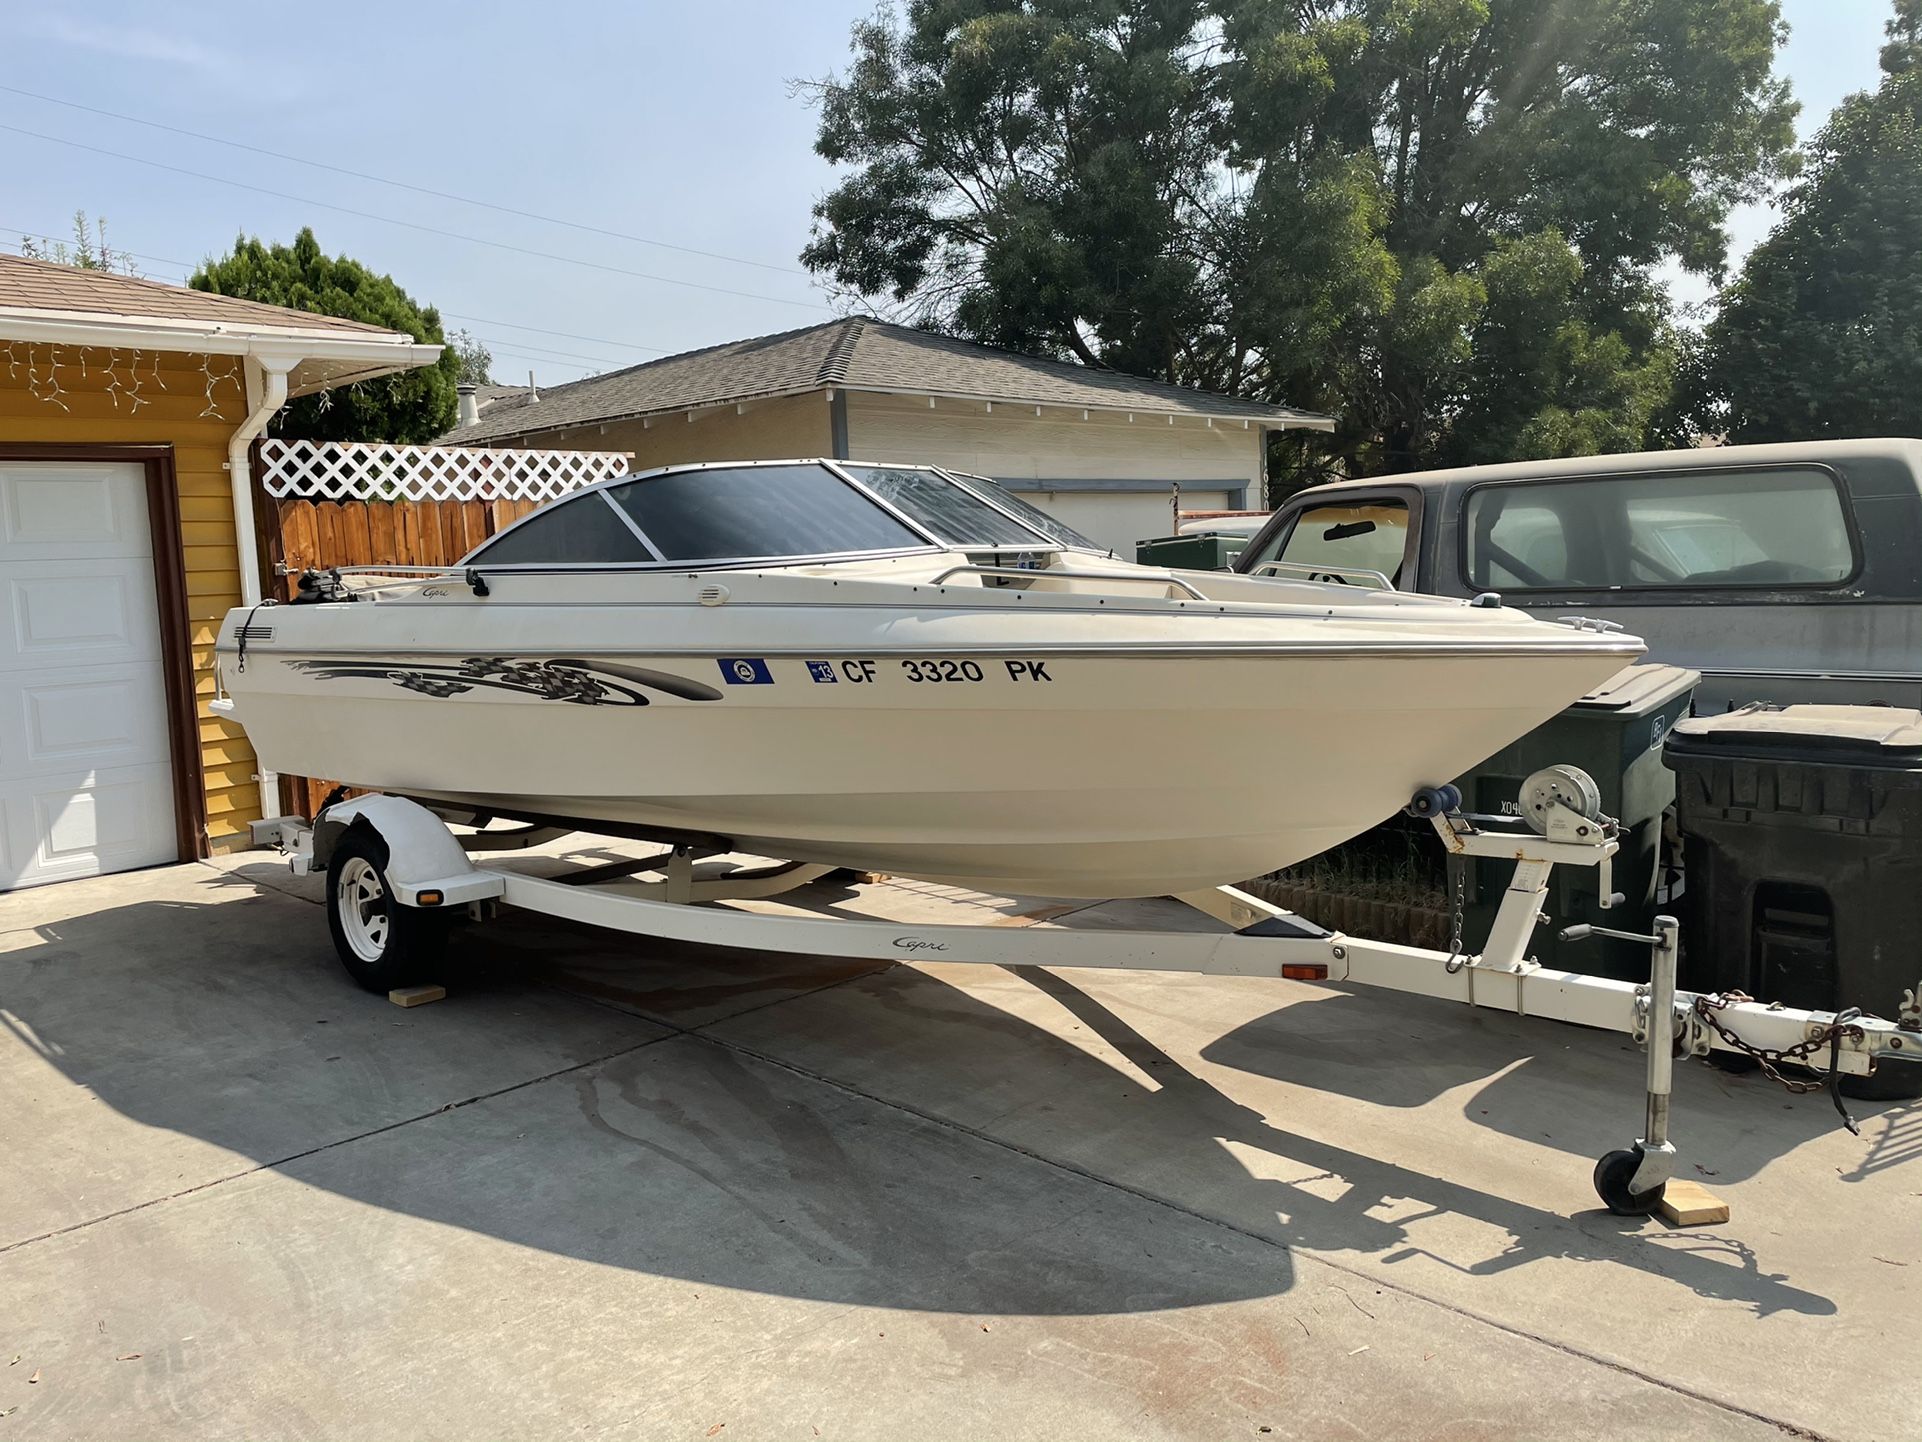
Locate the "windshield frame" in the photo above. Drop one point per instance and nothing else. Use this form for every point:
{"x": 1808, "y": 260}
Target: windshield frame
{"x": 957, "y": 479}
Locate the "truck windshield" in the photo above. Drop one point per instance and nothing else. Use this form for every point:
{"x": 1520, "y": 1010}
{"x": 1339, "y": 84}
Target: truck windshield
{"x": 1342, "y": 537}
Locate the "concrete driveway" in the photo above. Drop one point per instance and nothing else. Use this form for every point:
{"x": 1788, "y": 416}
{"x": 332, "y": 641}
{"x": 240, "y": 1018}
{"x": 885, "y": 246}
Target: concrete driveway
{"x": 624, "y": 1188}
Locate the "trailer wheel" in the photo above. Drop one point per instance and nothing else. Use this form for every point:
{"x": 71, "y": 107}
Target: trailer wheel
{"x": 381, "y": 943}
{"x": 1613, "y": 1173}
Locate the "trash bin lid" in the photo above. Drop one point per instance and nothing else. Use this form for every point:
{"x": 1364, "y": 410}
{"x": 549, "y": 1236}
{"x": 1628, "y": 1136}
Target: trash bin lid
{"x": 1868, "y": 735}
{"x": 1639, "y": 689}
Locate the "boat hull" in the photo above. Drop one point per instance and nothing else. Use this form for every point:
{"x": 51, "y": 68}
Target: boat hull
{"x": 1057, "y": 773}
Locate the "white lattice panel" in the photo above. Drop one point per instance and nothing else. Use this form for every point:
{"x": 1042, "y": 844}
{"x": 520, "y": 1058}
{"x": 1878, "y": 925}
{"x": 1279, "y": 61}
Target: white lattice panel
{"x": 375, "y": 471}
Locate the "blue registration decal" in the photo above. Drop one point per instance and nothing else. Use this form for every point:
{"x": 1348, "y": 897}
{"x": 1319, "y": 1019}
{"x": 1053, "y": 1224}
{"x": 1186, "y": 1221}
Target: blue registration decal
{"x": 745, "y": 671}
{"x": 822, "y": 671}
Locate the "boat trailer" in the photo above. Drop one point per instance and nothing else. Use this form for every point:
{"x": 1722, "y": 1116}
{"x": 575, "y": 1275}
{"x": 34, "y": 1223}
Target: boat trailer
{"x": 400, "y": 871}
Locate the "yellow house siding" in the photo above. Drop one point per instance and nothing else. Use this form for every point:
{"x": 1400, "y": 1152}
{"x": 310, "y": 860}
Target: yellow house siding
{"x": 763, "y": 431}
{"x": 175, "y": 411}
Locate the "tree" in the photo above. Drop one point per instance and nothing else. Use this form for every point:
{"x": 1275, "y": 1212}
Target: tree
{"x": 410, "y": 406}
{"x": 476, "y": 361}
{"x": 1437, "y": 219}
{"x": 89, "y": 250}
{"x": 1821, "y": 335}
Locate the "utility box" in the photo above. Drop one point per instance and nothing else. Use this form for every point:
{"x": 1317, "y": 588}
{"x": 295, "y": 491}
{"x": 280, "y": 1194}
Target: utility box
{"x": 1191, "y": 553}
{"x": 1614, "y": 733}
{"x": 1802, "y": 852}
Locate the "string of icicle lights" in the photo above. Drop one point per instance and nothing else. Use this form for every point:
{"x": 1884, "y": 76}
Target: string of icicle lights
{"x": 127, "y": 376}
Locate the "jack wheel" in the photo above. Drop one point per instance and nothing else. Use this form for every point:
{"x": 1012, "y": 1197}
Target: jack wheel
{"x": 1613, "y": 1173}
{"x": 381, "y": 943}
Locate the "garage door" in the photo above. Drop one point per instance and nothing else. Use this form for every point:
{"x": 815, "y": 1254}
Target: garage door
{"x": 86, "y": 782}
{"x": 1117, "y": 519}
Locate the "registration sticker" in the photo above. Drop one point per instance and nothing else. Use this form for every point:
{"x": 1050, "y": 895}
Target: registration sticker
{"x": 744, "y": 671}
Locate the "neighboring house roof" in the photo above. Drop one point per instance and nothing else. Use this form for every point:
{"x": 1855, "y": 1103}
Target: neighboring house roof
{"x": 63, "y": 304}
{"x": 487, "y": 395}
{"x": 856, "y": 354}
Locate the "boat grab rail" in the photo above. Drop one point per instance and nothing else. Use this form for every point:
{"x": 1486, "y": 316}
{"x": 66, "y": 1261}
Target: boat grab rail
{"x": 453, "y": 570}
{"x": 1314, "y": 572}
{"x": 388, "y": 578}
{"x": 1033, "y": 573}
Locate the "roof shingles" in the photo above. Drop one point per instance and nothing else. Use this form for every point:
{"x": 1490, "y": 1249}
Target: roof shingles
{"x": 40, "y": 285}
{"x": 860, "y": 354}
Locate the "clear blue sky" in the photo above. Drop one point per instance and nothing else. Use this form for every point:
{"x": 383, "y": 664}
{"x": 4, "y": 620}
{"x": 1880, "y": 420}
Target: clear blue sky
{"x": 663, "y": 120}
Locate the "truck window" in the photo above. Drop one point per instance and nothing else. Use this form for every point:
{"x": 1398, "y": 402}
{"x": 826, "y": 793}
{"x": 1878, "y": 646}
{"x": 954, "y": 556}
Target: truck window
{"x": 1527, "y": 538}
{"x": 1367, "y": 535}
{"x": 1760, "y": 528}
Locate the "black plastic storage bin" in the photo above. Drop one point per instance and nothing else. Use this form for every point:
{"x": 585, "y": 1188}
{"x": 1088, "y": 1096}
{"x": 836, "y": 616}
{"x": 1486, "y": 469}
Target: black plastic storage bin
{"x": 1802, "y": 857}
{"x": 1209, "y": 552}
{"x": 1615, "y": 734}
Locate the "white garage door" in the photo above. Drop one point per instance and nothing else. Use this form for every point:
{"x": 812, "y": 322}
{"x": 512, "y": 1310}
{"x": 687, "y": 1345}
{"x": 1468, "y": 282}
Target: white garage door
{"x": 86, "y": 781}
{"x": 1117, "y": 519}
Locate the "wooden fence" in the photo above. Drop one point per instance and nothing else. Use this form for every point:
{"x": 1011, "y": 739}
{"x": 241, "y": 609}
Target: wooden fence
{"x": 303, "y": 533}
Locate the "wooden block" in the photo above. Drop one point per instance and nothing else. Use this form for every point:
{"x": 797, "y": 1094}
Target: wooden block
{"x": 416, "y": 995}
{"x": 1690, "y": 1204}
{"x": 1041, "y": 914}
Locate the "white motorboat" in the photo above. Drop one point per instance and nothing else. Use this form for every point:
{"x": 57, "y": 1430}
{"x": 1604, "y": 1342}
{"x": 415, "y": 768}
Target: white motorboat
{"x": 897, "y": 669}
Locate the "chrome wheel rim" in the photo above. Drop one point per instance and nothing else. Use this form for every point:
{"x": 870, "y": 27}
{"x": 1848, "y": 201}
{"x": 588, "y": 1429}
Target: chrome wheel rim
{"x": 360, "y": 901}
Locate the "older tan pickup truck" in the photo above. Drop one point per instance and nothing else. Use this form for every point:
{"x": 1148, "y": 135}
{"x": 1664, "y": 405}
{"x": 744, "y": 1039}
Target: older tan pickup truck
{"x": 1782, "y": 573}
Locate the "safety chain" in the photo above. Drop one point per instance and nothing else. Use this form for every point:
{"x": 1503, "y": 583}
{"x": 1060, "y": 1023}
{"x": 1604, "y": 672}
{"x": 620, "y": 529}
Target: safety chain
{"x": 1772, "y": 1059}
{"x": 1456, "y": 961}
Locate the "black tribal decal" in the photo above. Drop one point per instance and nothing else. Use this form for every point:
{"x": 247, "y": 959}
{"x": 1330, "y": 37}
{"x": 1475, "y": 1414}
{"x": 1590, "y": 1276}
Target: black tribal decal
{"x": 585, "y": 683}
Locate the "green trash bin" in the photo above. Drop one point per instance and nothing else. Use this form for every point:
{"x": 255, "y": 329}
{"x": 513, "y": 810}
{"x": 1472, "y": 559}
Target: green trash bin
{"x": 1615, "y": 734}
{"x": 1191, "y": 553}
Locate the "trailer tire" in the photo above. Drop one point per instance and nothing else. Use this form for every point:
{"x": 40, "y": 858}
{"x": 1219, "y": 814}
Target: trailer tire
{"x": 1895, "y": 1079}
{"x": 381, "y": 943}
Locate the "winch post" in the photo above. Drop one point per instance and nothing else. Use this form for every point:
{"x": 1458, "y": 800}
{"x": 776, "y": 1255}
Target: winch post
{"x": 1517, "y": 915}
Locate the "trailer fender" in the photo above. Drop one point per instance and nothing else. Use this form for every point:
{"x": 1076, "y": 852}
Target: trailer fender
{"x": 422, "y": 854}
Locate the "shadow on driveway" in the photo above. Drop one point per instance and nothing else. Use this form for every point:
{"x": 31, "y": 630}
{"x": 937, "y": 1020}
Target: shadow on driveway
{"x": 658, "y": 1147}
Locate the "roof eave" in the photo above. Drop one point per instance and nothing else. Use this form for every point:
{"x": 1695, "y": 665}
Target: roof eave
{"x": 1268, "y": 415}
{"x": 1277, "y": 418}
{"x": 360, "y": 357}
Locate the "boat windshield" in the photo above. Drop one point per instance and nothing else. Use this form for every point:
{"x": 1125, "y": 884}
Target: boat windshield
{"x": 784, "y": 511}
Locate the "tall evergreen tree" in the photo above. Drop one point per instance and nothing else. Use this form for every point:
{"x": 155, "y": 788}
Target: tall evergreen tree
{"x": 1821, "y": 335}
{"x": 411, "y": 406}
